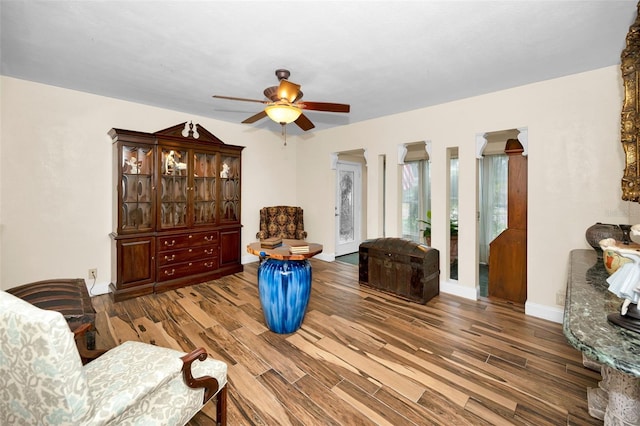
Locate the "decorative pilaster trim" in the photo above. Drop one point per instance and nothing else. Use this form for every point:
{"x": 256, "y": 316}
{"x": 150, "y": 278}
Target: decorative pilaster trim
{"x": 481, "y": 143}
{"x": 402, "y": 152}
{"x": 523, "y": 138}
{"x": 333, "y": 158}
{"x": 427, "y": 147}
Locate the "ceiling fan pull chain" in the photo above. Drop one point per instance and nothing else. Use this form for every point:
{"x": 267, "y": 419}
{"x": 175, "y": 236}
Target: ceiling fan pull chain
{"x": 284, "y": 133}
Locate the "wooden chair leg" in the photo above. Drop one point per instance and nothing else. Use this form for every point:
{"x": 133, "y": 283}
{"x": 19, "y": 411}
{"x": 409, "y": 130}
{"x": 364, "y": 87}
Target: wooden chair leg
{"x": 221, "y": 407}
{"x": 86, "y": 355}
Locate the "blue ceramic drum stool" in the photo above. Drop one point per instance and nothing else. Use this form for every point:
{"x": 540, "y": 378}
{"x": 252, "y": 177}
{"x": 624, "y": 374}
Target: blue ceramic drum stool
{"x": 285, "y": 287}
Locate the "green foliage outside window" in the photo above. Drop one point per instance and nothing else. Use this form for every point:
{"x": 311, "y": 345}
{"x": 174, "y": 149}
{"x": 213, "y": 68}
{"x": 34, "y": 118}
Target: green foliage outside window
{"x": 426, "y": 232}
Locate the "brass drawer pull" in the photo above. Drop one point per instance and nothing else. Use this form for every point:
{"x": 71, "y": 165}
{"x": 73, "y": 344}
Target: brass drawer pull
{"x": 208, "y": 264}
{"x": 173, "y": 243}
{"x": 170, "y": 259}
{"x": 208, "y": 238}
{"x": 173, "y": 271}
{"x": 208, "y": 251}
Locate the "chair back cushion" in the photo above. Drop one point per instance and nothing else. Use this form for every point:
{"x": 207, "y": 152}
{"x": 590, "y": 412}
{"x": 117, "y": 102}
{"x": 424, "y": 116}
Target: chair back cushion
{"x": 41, "y": 376}
{"x": 282, "y": 222}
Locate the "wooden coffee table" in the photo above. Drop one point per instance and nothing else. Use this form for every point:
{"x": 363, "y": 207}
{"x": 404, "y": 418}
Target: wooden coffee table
{"x": 284, "y": 284}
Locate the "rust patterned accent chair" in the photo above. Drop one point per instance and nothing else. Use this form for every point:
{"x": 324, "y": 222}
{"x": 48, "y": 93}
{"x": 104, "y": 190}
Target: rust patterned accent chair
{"x": 283, "y": 222}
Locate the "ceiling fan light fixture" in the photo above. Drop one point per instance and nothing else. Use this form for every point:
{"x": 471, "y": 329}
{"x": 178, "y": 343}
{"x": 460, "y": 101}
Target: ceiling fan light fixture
{"x": 283, "y": 113}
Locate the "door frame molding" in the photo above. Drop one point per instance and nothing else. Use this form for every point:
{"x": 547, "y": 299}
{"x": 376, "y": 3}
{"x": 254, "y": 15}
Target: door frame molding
{"x": 351, "y": 247}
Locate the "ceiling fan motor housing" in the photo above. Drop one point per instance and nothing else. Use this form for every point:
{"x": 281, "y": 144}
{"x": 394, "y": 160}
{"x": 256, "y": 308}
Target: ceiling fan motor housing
{"x": 282, "y": 74}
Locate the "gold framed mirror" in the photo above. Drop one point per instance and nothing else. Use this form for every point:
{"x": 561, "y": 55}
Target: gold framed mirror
{"x": 630, "y": 64}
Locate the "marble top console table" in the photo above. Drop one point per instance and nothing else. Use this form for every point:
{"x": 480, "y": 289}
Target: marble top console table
{"x": 617, "y": 350}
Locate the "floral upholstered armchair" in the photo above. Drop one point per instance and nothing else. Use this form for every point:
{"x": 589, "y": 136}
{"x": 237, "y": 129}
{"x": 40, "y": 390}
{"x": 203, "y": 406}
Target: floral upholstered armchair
{"x": 43, "y": 381}
{"x": 281, "y": 222}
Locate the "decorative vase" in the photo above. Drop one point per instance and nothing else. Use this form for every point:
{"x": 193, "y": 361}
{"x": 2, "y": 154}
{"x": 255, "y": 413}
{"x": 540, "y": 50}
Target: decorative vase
{"x": 285, "y": 288}
{"x": 600, "y": 231}
{"x": 626, "y": 233}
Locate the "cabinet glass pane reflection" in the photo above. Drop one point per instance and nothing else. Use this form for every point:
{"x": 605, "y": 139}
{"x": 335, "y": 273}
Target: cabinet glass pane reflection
{"x": 136, "y": 188}
{"x": 230, "y": 189}
{"x": 204, "y": 188}
{"x": 173, "y": 188}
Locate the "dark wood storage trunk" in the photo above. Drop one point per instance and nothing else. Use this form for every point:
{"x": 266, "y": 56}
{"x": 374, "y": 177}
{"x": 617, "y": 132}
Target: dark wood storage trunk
{"x": 67, "y": 296}
{"x": 402, "y": 267}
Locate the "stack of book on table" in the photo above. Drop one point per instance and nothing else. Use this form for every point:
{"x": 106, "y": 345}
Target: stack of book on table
{"x": 298, "y": 247}
{"x": 270, "y": 243}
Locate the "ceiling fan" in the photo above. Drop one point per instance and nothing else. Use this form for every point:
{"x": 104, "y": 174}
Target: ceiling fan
{"x": 284, "y": 105}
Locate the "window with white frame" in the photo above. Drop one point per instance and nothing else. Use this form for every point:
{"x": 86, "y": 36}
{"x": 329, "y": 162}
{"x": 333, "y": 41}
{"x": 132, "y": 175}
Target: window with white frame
{"x": 416, "y": 199}
{"x": 493, "y": 201}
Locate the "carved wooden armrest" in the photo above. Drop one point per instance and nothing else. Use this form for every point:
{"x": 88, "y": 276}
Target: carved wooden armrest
{"x": 209, "y": 383}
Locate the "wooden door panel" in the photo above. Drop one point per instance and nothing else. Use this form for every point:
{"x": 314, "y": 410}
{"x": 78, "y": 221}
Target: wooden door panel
{"x": 136, "y": 258}
{"x": 508, "y": 266}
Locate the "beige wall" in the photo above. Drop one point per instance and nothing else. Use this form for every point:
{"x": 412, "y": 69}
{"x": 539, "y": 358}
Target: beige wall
{"x": 56, "y": 165}
{"x": 575, "y": 162}
{"x": 55, "y": 174}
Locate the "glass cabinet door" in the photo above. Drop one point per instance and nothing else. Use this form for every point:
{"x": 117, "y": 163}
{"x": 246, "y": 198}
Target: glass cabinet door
{"x": 230, "y": 189}
{"x": 137, "y": 197}
{"x": 204, "y": 188}
{"x": 173, "y": 188}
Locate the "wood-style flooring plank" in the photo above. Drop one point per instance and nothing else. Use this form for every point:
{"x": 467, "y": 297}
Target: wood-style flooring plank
{"x": 283, "y": 365}
{"x": 264, "y": 404}
{"x": 333, "y": 406}
{"x": 303, "y": 409}
{"x": 363, "y": 357}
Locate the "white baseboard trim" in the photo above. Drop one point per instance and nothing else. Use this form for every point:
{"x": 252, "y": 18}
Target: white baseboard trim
{"x": 451, "y": 287}
{"x": 327, "y": 257}
{"x": 98, "y": 288}
{"x": 550, "y": 313}
{"x": 249, "y": 258}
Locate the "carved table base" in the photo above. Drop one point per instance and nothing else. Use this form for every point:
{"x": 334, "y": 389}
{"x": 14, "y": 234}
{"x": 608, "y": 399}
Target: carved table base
{"x": 616, "y": 400}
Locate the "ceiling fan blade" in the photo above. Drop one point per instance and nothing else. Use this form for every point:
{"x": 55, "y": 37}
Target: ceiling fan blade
{"x": 288, "y": 90}
{"x": 324, "y": 106}
{"x": 232, "y": 98}
{"x": 304, "y": 123}
{"x": 255, "y": 117}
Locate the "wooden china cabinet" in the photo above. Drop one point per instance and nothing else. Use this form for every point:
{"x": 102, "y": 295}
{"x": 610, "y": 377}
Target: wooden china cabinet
{"x": 176, "y": 209}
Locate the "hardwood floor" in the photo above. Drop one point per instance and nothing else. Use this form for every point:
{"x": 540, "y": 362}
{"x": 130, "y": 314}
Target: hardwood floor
{"x": 363, "y": 357}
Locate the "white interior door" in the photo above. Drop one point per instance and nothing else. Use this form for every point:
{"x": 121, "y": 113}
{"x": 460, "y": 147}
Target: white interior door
{"x": 348, "y": 207}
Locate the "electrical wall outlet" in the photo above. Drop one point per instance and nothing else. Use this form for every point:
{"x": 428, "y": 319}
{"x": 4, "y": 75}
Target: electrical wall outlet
{"x": 560, "y": 298}
{"x": 93, "y": 273}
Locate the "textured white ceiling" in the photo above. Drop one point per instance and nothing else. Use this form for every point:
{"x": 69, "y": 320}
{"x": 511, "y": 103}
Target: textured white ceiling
{"x": 382, "y": 57}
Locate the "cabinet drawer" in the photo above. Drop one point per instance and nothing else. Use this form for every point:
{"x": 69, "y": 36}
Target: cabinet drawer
{"x": 188, "y": 254}
{"x": 179, "y": 270}
{"x": 187, "y": 240}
